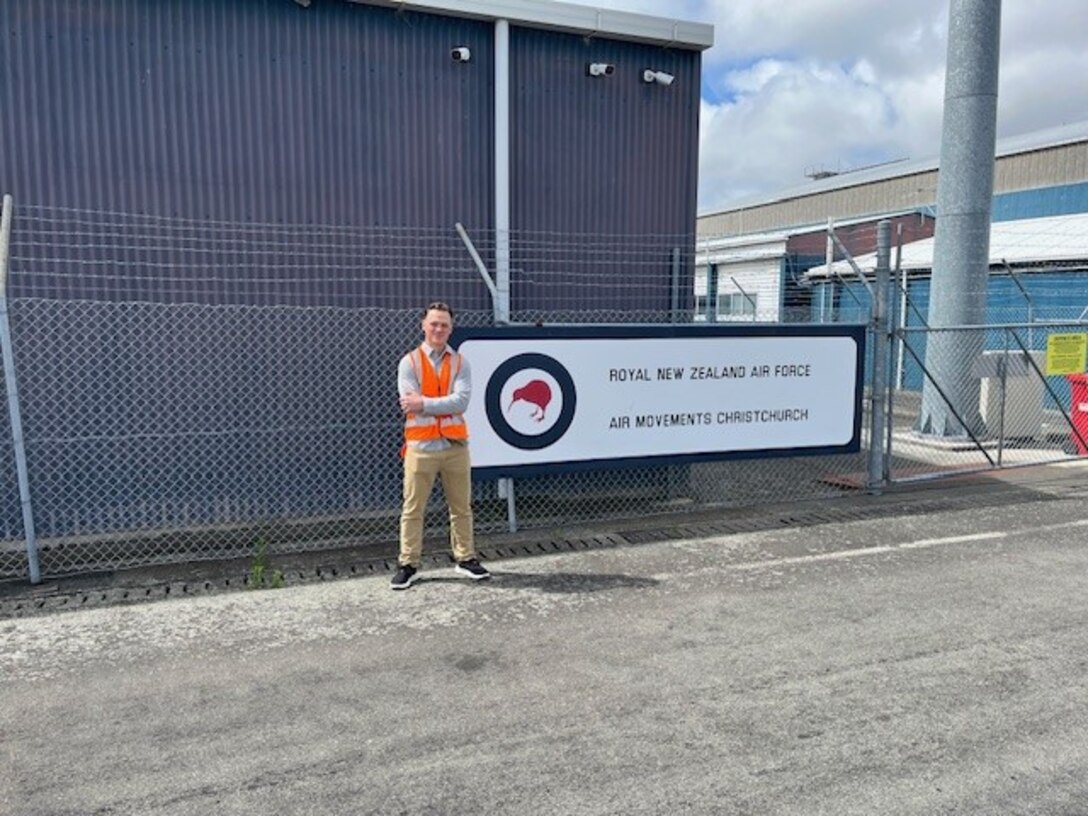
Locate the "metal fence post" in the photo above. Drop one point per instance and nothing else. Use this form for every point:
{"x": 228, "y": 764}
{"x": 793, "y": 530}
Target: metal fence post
{"x": 827, "y": 291}
{"x": 711, "y": 293}
{"x": 500, "y": 308}
{"x": 13, "y": 397}
{"x": 896, "y": 318}
{"x": 879, "y": 385}
{"x": 674, "y": 306}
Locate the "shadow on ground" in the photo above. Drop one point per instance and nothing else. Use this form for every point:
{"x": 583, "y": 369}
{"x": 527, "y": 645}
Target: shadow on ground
{"x": 551, "y": 582}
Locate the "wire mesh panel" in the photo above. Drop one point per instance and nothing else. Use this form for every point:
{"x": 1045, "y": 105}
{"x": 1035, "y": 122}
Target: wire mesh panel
{"x": 988, "y": 381}
{"x": 1011, "y": 412}
{"x": 203, "y": 420}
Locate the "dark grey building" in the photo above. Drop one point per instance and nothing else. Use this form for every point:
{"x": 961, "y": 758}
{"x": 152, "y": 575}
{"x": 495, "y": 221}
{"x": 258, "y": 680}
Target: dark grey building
{"x": 363, "y": 114}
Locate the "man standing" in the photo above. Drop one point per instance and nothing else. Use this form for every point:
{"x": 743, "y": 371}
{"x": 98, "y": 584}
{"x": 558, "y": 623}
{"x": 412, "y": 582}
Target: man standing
{"x": 435, "y": 384}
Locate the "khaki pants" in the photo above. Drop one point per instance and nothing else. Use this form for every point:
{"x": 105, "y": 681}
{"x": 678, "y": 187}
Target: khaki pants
{"x": 420, "y": 469}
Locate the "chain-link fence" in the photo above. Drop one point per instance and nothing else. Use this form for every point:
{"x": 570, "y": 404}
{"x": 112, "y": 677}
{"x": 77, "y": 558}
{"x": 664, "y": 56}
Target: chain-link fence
{"x": 987, "y": 384}
{"x": 190, "y": 390}
{"x": 1012, "y": 412}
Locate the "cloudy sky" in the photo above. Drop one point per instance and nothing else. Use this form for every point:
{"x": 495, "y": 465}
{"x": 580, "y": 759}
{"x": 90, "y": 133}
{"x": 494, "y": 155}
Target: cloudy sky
{"x": 793, "y": 86}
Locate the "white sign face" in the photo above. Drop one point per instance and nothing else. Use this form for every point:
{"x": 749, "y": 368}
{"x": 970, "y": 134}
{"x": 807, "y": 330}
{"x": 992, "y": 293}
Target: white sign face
{"x": 540, "y": 400}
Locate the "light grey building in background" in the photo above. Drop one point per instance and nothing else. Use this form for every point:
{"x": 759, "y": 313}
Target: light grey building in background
{"x": 1037, "y": 174}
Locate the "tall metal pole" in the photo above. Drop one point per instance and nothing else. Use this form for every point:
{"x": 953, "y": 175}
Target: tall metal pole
{"x": 879, "y": 385}
{"x": 14, "y": 411}
{"x": 502, "y": 170}
{"x": 901, "y": 276}
{"x": 502, "y": 215}
{"x": 965, "y": 184}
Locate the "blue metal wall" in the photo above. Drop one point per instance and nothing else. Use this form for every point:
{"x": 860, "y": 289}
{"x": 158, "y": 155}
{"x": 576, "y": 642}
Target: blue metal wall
{"x": 607, "y": 154}
{"x": 1062, "y": 199}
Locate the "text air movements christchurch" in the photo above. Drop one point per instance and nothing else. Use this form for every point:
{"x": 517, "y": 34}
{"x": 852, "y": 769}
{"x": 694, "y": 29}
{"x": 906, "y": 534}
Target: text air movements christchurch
{"x": 734, "y": 417}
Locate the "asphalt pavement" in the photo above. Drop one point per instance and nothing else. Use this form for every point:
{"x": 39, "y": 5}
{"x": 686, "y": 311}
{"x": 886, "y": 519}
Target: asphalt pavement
{"x": 918, "y": 652}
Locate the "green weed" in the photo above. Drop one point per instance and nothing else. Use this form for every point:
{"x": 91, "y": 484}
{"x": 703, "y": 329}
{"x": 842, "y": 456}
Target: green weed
{"x": 261, "y": 573}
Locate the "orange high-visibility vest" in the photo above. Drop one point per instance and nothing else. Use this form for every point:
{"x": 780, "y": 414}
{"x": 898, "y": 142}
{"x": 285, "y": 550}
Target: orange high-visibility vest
{"x": 421, "y": 428}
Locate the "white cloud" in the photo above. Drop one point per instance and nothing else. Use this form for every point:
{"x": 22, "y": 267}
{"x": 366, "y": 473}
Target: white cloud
{"x": 789, "y": 118}
{"x": 795, "y": 85}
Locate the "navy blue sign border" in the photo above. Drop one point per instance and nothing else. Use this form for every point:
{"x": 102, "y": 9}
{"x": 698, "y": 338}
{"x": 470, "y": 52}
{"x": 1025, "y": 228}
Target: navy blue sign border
{"x": 857, "y": 332}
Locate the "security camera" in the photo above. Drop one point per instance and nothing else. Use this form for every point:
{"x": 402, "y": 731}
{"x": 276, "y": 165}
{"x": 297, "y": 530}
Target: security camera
{"x": 461, "y": 54}
{"x": 660, "y": 77}
{"x": 600, "y": 69}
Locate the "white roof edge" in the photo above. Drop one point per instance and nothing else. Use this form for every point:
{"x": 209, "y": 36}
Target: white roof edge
{"x": 749, "y": 239}
{"x": 1009, "y": 146}
{"x": 1049, "y": 238}
{"x": 758, "y": 247}
{"x": 585, "y": 20}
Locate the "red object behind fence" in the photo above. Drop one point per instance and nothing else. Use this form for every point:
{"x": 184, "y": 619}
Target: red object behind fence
{"x": 1078, "y": 410}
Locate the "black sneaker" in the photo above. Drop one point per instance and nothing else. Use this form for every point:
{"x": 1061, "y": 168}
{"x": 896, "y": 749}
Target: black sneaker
{"x": 473, "y": 569}
{"x": 405, "y": 577}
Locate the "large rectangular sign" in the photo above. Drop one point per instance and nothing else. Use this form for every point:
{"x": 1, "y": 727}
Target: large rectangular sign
{"x": 555, "y": 399}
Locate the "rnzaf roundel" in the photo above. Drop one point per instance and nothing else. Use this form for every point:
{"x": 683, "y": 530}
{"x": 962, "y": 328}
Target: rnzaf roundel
{"x": 530, "y": 401}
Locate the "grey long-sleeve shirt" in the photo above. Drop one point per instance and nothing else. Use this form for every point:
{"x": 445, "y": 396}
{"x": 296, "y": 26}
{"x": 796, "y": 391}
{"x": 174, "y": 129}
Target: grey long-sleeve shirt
{"x": 455, "y": 403}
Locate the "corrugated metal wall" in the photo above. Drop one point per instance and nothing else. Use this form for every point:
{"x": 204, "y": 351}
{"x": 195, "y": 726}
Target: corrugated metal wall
{"x": 1063, "y": 199}
{"x": 252, "y": 110}
{"x": 596, "y": 156}
{"x": 1039, "y": 168}
{"x": 607, "y": 154}
{"x": 883, "y": 196}
{"x": 262, "y": 111}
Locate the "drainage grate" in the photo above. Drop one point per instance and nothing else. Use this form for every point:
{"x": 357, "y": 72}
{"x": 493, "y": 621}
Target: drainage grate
{"x": 47, "y": 599}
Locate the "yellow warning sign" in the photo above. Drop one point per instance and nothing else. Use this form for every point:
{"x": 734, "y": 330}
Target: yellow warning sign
{"x": 1066, "y": 353}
